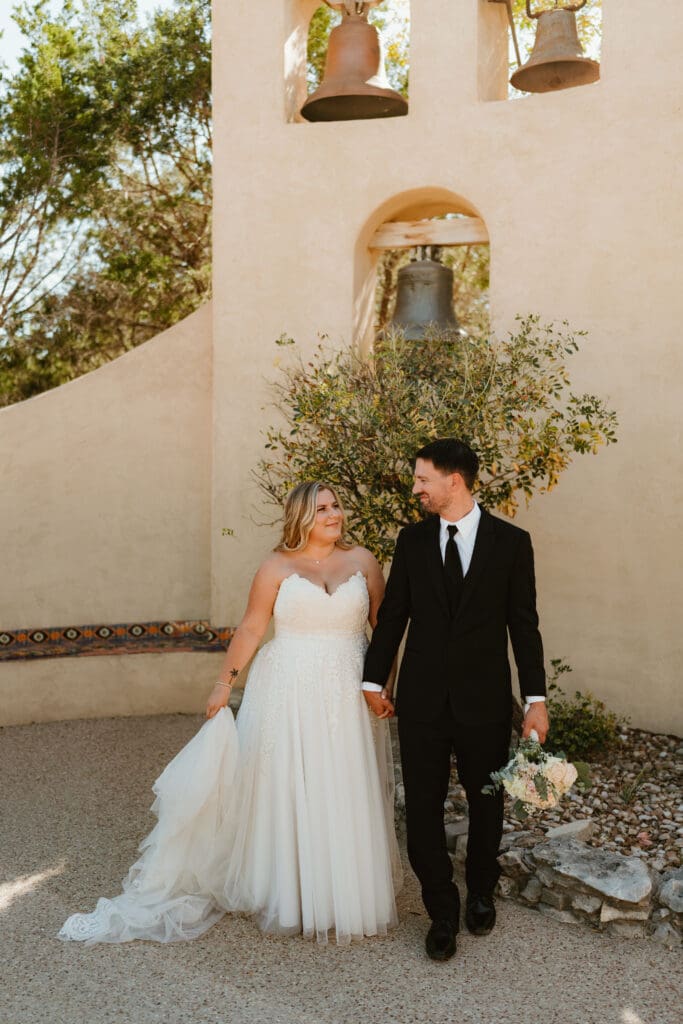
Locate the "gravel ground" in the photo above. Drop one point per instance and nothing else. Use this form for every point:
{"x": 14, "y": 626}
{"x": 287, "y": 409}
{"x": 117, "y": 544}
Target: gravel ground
{"x": 635, "y": 801}
{"x": 74, "y": 805}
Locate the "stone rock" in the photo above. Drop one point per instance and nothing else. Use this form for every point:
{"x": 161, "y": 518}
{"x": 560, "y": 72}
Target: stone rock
{"x": 515, "y": 839}
{"x": 513, "y": 863}
{"x": 671, "y": 892}
{"x": 626, "y": 929}
{"x": 547, "y": 876}
{"x": 609, "y": 913}
{"x": 667, "y": 935}
{"x": 526, "y": 842}
{"x": 455, "y": 829}
{"x": 521, "y": 840}
{"x": 621, "y": 879}
{"x": 507, "y": 887}
{"x": 572, "y": 830}
{"x": 559, "y": 900}
{"x": 565, "y": 916}
{"x": 532, "y": 891}
{"x": 586, "y": 904}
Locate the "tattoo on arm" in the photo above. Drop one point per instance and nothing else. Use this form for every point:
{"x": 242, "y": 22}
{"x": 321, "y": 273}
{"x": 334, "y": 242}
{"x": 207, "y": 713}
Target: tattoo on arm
{"x": 234, "y": 672}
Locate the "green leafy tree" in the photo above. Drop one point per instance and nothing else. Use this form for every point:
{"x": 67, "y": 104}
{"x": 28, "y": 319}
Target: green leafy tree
{"x": 357, "y": 422}
{"x": 106, "y": 186}
{"x": 54, "y": 149}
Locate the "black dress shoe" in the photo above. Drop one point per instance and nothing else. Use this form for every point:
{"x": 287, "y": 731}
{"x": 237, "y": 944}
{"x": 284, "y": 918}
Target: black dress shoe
{"x": 440, "y": 941}
{"x": 480, "y": 914}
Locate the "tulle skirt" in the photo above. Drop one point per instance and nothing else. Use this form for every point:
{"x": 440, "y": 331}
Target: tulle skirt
{"x": 287, "y": 816}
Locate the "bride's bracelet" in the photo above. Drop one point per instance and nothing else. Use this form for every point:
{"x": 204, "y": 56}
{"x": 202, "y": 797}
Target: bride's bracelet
{"x": 233, "y": 675}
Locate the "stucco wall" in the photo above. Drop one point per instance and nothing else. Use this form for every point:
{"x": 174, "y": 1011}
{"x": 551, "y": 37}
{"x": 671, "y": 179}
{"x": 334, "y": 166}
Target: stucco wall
{"x": 577, "y": 191}
{"x": 104, "y": 512}
{"x": 58, "y": 689}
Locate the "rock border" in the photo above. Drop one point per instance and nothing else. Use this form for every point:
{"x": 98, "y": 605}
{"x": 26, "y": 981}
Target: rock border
{"x": 563, "y": 877}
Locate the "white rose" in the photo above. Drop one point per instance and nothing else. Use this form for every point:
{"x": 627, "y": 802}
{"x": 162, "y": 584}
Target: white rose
{"x": 561, "y": 774}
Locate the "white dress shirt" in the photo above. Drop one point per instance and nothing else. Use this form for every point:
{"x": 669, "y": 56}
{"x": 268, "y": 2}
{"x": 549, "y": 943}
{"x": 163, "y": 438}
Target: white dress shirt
{"x": 465, "y": 540}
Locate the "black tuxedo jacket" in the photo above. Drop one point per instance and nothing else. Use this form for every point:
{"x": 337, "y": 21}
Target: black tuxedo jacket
{"x": 461, "y": 659}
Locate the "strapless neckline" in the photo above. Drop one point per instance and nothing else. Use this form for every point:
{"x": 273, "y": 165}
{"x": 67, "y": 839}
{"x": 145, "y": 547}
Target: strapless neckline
{"x": 296, "y": 575}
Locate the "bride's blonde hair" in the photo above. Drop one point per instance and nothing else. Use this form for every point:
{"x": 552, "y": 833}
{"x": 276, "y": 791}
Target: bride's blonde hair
{"x": 301, "y": 508}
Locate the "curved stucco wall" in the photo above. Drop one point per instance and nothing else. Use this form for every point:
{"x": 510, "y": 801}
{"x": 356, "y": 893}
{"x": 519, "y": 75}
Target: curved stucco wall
{"x": 104, "y": 512}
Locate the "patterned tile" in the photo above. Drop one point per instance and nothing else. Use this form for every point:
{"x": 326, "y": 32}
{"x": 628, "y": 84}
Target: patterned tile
{"x": 121, "y": 638}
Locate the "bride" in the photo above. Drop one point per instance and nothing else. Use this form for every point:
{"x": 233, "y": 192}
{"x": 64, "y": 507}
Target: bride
{"x": 287, "y": 815}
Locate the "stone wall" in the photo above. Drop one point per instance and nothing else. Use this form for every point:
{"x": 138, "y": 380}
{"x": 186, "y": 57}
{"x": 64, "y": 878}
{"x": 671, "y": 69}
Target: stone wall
{"x": 576, "y": 884}
{"x": 572, "y": 882}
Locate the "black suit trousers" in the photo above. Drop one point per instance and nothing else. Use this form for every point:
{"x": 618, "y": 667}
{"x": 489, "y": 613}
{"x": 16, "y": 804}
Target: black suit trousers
{"x": 426, "y": 749}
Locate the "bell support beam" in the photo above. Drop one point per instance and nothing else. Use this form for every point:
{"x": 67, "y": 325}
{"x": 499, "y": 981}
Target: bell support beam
{"x": 409, "y": 233}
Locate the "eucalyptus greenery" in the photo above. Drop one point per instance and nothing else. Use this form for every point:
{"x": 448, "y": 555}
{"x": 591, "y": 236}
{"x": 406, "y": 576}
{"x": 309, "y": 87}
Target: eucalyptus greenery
{"x": 357, "y": 422}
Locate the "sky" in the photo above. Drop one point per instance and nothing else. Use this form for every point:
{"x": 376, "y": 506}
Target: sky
{"x": 11, "y": 41}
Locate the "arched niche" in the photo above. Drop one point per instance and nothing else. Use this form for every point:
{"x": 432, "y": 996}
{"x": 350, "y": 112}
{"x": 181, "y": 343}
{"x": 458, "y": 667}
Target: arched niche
{"x": 405, "y": 220}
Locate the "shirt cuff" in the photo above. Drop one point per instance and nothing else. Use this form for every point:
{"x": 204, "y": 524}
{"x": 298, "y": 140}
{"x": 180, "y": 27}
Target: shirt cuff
{"x": 532, "y": 700}
{"x": 372, "y": 687}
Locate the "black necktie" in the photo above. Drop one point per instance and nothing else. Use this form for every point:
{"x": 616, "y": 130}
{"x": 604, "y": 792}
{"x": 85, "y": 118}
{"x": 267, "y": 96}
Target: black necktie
{"x": 453, "y": 570}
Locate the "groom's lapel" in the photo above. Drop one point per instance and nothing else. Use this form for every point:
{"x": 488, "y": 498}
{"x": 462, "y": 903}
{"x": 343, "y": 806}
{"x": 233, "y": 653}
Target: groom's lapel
{"x": 483, "y": 547}
{"x": 433, "y": 560}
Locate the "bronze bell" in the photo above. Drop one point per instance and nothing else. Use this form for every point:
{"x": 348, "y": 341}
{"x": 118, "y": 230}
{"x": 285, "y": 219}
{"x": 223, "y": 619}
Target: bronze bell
{"x": 557, "y": 60}
{"x": 355, "y": 84}
{"x": 424, "y": 298}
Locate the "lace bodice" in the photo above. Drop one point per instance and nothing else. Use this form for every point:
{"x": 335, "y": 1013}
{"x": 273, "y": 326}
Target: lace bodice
{"x": 304, "y": 608}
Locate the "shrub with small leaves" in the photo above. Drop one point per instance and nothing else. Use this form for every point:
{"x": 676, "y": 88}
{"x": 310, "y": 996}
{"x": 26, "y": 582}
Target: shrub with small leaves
{"x": 357, "y": 421}
{"x": 580, "y": 726}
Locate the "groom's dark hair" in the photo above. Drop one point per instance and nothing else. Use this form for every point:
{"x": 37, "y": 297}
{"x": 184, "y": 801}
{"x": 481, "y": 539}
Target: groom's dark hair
{"x": 451, "y": 456}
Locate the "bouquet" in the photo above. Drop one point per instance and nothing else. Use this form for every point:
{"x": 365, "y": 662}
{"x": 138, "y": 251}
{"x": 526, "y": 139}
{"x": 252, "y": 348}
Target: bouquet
{"x": 534, "y": 778}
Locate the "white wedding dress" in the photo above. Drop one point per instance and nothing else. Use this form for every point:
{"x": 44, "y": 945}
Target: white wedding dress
{"x": 287, "y": 814}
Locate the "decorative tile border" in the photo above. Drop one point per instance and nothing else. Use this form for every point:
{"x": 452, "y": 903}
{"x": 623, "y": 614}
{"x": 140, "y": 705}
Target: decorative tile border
{"x": 122, "y": 638}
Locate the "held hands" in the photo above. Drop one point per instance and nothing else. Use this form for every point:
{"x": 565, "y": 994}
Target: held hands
{"x": 536, "y": 718}
{"x": 380, "y": 703}
{"x": 218, "y": 698}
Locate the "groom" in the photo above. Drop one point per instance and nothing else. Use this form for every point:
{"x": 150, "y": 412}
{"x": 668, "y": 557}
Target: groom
{"x": 464, "y": 579}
